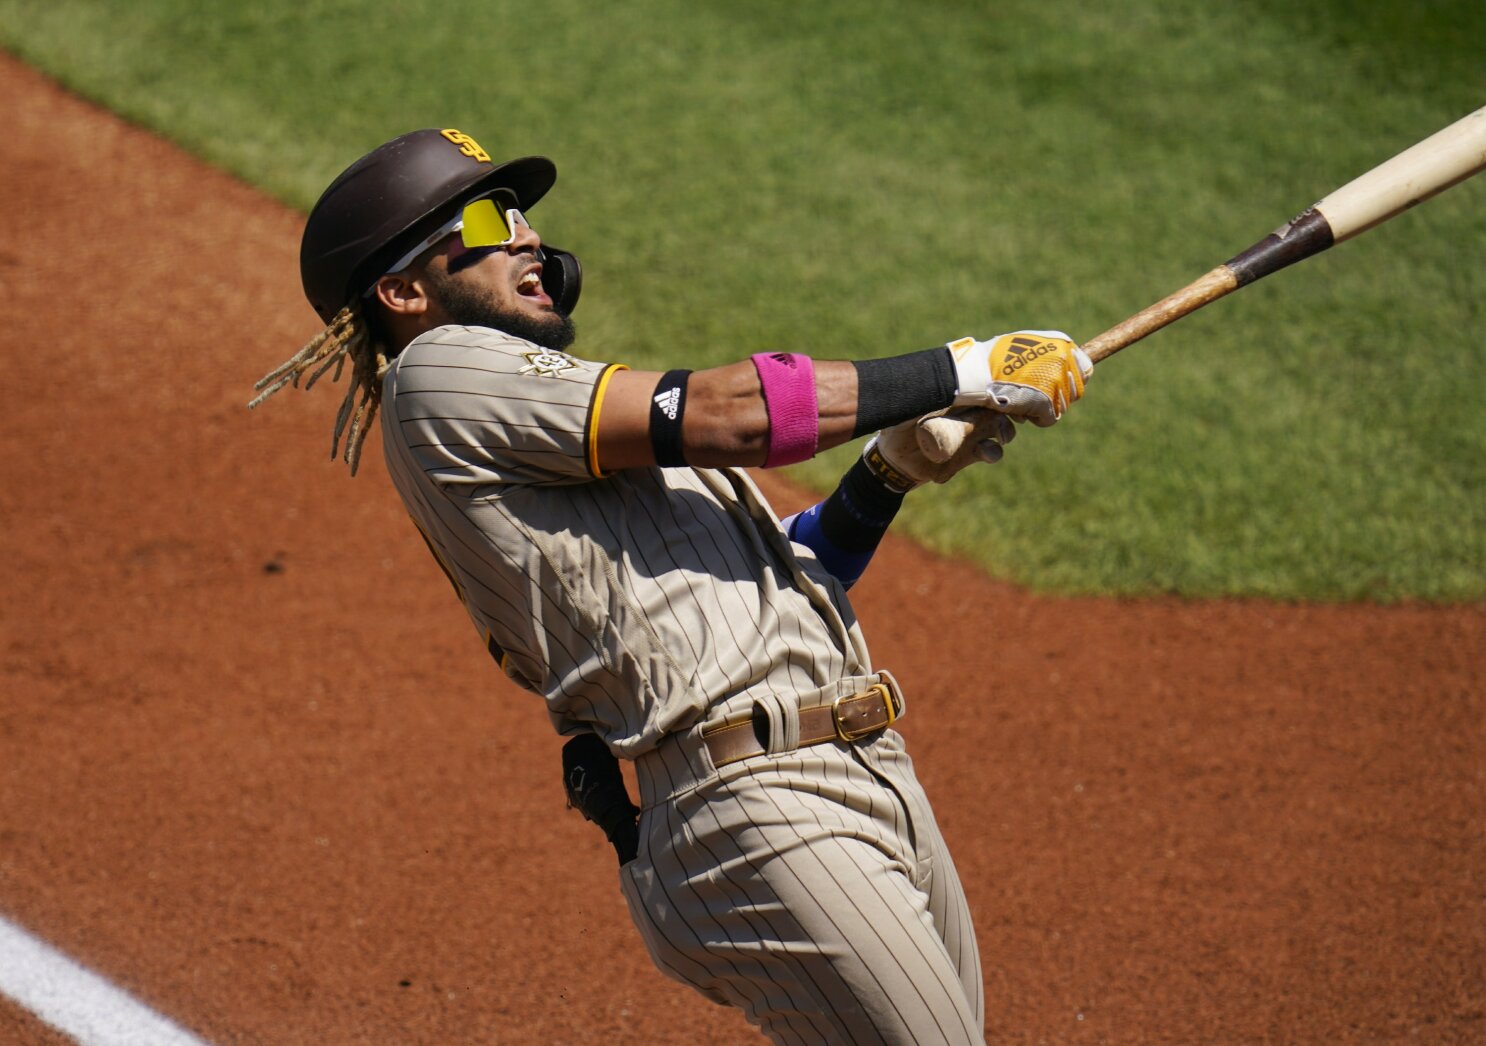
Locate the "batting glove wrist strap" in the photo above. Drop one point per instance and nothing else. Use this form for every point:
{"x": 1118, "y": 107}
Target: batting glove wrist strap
{"x": 893, "y": 477}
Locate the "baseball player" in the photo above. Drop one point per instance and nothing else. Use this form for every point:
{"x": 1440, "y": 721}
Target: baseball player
{"x": 618, "y": 562}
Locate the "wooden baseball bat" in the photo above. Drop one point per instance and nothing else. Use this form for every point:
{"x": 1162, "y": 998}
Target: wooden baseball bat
{"x": 1413, "y": 176}
{"x": 1431, "y": 166}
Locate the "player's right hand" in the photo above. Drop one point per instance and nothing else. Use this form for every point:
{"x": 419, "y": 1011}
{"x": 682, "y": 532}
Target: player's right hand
{"x": 896, "y": 455}
{"x": 1031, "y": 374}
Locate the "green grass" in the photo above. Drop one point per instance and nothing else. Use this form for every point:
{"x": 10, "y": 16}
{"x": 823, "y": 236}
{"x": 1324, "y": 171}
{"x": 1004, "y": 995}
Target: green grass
{"x": 864, "y": 178}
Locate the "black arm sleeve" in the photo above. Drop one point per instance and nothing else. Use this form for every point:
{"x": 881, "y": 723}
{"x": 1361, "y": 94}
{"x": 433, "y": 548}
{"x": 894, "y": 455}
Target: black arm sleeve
{"x": 903, "y": 387}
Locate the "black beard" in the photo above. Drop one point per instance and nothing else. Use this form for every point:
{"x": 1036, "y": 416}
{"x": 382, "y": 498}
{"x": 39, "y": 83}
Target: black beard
{"x": 470, "y": 308}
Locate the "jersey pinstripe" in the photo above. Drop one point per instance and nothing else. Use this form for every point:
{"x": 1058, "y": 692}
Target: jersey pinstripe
{"x": 810, "y": 888}
{"x": 635, "y": 605}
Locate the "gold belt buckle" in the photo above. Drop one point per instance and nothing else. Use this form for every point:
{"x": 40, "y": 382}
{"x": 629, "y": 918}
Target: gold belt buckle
{"x": 891, "y": 700}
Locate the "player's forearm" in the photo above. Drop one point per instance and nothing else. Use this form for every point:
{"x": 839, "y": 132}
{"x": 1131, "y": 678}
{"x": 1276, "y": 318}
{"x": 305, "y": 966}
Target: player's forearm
{"x": 768, "y": 410}
{"x": 722, "y": 420}
{"x": 727, "y": 418}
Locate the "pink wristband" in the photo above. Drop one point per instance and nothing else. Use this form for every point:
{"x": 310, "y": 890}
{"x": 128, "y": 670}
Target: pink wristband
{"x": 788, "y": 380}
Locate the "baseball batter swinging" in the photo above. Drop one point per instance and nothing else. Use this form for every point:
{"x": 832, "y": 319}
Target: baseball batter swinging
{"x": 618, "y": 562}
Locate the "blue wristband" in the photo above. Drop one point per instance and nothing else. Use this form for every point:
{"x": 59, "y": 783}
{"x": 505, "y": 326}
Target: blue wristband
{"x": 845, "y": 529}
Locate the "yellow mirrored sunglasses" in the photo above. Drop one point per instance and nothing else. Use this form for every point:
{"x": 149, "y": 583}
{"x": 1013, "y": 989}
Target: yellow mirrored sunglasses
{"x": 490, "y": 221}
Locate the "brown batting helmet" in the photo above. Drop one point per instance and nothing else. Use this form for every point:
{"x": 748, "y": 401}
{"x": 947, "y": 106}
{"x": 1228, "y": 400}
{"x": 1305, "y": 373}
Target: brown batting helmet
{"x": 399, "y": 191}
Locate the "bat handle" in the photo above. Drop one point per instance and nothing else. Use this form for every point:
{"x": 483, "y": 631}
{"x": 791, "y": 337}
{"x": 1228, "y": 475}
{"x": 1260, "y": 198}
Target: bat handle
{"x": 940, "y": 437}
{"x": 1206, "y": 288}
{"x": 1306, "y": 234}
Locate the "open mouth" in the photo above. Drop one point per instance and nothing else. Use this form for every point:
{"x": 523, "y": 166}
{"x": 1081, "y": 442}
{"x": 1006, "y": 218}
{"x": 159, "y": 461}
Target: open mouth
{"x": 530, "y": 284}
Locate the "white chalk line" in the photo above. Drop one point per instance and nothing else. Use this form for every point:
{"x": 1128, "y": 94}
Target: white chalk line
{"x": 77, "y": 1001}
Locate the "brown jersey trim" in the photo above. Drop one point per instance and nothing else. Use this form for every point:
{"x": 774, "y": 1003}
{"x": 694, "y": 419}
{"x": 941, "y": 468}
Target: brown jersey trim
{"x": 591, "y": 430}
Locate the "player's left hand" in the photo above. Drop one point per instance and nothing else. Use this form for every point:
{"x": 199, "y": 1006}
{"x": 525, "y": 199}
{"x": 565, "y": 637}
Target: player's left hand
{"x": 896, "y": 456}
{"x": 1031, "y": 374}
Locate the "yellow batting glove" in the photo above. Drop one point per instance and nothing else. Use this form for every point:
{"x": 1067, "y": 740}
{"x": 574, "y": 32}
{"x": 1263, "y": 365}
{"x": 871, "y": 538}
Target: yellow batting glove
{"x": 1033, "y": 375}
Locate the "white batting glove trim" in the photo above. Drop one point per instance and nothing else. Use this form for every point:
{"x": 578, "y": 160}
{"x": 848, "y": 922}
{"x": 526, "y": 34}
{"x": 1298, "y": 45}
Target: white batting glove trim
{"x": 972, "y": 365}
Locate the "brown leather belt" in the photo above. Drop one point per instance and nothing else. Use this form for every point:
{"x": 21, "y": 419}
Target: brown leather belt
{"x": 845, "y": 719}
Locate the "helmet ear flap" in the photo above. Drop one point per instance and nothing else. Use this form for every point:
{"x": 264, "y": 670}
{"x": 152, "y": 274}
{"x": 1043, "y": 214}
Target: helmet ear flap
{"x": 562, "y": 278}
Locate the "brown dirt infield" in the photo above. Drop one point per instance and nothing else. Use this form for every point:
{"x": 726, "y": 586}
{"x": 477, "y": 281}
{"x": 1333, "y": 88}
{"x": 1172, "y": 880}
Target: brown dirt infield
{"x": 255, "y": 768}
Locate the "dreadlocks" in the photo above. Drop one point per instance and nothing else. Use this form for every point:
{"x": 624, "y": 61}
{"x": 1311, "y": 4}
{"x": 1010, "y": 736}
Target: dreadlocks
{"x": 349, "y": 334}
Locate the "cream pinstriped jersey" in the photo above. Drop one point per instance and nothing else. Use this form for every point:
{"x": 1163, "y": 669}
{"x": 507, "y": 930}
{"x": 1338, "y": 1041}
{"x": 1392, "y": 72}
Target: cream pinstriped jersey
{"x": 637, "y": 602}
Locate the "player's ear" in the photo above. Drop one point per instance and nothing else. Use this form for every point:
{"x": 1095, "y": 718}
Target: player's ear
{"x": 401, "y": 294}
